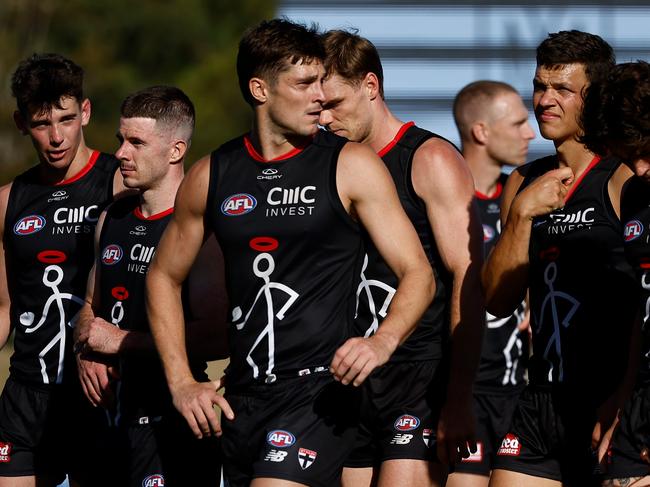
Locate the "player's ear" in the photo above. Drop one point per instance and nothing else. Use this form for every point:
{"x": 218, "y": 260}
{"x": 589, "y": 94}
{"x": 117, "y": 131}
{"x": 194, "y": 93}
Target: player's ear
{"x": 480, "y": 132}
{"x": 86, "y": 109}
{"x": 371, "y": 85}
{"x": 258, "y": 89}
{"x": 178, "y": 150}
{"x": 21, "y": 123}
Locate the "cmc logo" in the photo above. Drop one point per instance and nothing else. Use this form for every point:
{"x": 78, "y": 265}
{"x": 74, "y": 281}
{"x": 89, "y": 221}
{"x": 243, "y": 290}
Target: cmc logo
{"x": 155, "y": 480}
{"x": 112, "y": 254}
{"x": 29, "y": 224}
{"x": 280, "y": 439}
{"x": 633, "y": 230}
{"x": 238, "y": 204}
{"x": 488, "y": 233}
{"x": 406, "y": 422}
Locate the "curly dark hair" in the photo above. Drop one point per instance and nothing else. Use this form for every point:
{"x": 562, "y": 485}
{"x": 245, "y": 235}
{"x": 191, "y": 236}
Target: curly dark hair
{"x": 616, "y": 114}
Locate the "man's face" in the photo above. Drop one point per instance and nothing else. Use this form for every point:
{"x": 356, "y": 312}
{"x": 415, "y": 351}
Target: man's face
{"x": 144, "y": 152}
{"x": 346, "y": 110}
{"x": 57, "y": 134}
{"x": 294, "y": 100}
{"x": 557, "y": 100}
{"x": 508, "y": 130}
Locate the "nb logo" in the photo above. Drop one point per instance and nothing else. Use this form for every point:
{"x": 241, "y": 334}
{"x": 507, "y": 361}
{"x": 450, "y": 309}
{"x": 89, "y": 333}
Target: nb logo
{"x": 275, "y": 456}
{"x": 401, "y": 439}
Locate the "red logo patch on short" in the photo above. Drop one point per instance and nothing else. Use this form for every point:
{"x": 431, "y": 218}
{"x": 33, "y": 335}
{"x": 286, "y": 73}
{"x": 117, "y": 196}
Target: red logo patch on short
{"x": 510, "y": 446}
{"x": 476, "y": 457}
{"x": 5, "y": 452}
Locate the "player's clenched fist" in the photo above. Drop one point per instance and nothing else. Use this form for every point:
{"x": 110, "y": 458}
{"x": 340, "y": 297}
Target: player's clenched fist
{"x": 547, "y": 193}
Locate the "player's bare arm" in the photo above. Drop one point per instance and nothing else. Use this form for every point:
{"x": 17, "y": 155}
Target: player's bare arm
{"x": 505, "y": 274}
{"x": 175, "y": 254}
{"x": 443, "y": 181}
{"x": 368, "y": 192}
{"x": 5, "y": 304}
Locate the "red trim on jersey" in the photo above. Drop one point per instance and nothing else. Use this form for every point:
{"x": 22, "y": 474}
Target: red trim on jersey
{"x": 258, "y": 157}
{"x": 644, "y": 265}
{"x": 493, "y": 196}
{"x": 400, "y": 134}
{"x": 591, "y": 165}
{"x": 91, "y": 162}
{"x": 137, "y": 212}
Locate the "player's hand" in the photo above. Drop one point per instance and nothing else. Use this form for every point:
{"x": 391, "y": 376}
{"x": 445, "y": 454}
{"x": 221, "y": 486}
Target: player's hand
{"x": 606, "y": 423}
{"x": 100, "y": 336}
{"x": 545, "y": 194}
{"x": 96, "y": 378}
{"x": 456, "y": 433}
{"x": 358, "y": 357}
{"x": 195, "y": 401}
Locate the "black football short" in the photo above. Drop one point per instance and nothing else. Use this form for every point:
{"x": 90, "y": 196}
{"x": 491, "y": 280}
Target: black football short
{"x": 51, "y": 431}
{"x": 493, "y": 415}
{"x": 550, "y": 437}
{"x": 399, "y": 413}
{"x": 299, "y": 429}
{"x": 631, "y": 436}
{"x": 164, "y": 451}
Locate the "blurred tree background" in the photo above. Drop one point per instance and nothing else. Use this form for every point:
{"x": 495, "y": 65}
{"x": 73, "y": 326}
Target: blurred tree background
{"x": 124, "y": 46}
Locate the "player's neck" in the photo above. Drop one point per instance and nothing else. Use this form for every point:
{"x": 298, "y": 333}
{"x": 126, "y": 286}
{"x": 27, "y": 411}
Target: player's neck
{"x": 160, "y": 197}
{"x": 271, "y": 142}
{"x": 485, "y": 171}
{"x": 384, "y": 128}
{"x": 52, "y": 175}
{"x": 575, "y": 155}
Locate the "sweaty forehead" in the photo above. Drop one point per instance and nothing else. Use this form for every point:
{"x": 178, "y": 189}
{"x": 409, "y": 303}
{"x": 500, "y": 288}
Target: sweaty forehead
{"x": 574, "y": 71}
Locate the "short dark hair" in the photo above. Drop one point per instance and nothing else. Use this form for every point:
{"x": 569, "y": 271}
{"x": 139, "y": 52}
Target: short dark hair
{"x": 41, "y": 80}
{"x": 473, "y": 99}
{"x": 352, "y": 57}
{"x": 577, "y": 47}
{"x": 616, "y": 116}
{"x": 266, "y": 49}
{"x": 165, "y": 104}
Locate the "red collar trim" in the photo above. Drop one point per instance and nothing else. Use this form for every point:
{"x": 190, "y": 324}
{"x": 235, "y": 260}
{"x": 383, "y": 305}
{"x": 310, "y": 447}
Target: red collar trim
{"x": 91, "y": 162}
{"x": 138, "y": 213}
{"x": 400, "y": 134}
{"x": 493, "y": 196}
{"x": 591, "y": 165}
{"x": 258, "y": 157}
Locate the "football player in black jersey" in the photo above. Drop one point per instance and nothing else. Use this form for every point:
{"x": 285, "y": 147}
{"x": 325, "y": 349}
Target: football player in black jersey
{"x": 561, "y": 239}
{"x": 286, "y": 203}
{"x": 616, "y": 119}
{"x": 493, "y": 124}
{"x": 436, "y": 190}
{"x": 47, "y": 218}
{"x": 155, "y": 132}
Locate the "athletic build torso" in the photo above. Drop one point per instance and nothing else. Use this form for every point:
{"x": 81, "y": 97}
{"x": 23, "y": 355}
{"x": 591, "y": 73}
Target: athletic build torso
{"x": 291, "y": 254}
{"x": 48, "y": 242}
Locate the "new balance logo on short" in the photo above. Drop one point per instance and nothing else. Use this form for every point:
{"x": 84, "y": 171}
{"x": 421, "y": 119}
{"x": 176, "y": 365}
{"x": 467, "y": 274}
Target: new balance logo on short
{"x": 275, "y": 456}
{"x": 400, "y": 439}
{"x": 510, "y": 446}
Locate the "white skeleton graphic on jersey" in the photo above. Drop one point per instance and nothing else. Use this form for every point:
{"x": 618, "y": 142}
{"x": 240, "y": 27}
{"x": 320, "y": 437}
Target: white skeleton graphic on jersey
{"x": 366, "y": 286}
{"x": 27, "y": 320}
{"x": 265, "y": 293}
{"x": 555, "y": 343}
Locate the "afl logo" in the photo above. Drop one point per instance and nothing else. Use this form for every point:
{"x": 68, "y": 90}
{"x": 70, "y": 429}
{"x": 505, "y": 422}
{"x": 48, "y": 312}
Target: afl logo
{"x": 112, "y": 254}
{"x": 488, "y": 233}
{"x": 406, "y": 422}
{"x": 29, "y": 224}
{"x": 280, "y": 439}
{"x": 238, "y": 204}
{"x": 154, "y": 481}
{"x": 633, "y": 230}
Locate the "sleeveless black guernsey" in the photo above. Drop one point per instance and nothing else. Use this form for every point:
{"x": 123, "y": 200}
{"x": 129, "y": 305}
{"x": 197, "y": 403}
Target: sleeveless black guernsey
{"x": 291, "y": 254}
{"x": 504, "y": 353}
{"x": 378, "y": 282}
{"x": 128, "y": 243}
{"x": 635, "y": 212}
{"x": 582, "y": 291}
{"x": 48, "y": 242}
